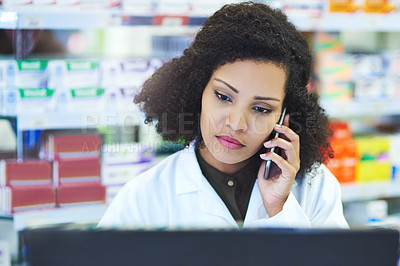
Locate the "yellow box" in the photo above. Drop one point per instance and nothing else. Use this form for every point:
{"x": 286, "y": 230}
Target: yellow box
{"x": 373, "y": 171}
{"x": 347, "y": 6}
{"x": 379, "y": 6}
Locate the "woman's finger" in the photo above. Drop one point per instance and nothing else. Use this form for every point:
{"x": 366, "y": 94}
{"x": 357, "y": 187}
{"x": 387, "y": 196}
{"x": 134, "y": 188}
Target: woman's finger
{"x": 290, "y": 152}
{"x": 288, "y": 171}
{"x": 289, "y": 134}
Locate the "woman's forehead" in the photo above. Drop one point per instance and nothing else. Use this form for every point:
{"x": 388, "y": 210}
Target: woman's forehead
{"x": 251, "y": 77}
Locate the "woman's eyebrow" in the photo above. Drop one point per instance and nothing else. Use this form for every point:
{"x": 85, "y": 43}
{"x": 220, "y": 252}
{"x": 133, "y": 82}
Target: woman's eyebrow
{"x": 228, "y": 85}
{"x": 266, "y": 98}
{"x": 255, "y": 97}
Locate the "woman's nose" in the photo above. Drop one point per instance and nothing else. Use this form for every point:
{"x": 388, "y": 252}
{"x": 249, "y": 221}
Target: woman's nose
{"x": 237, "y": 120}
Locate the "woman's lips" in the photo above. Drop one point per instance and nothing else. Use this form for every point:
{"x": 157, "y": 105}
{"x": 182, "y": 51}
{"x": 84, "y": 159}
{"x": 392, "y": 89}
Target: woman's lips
{"x": 230, "y": 143}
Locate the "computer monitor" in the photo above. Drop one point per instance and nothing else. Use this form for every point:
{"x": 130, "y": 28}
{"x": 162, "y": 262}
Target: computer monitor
{"x": 52, "y": 246}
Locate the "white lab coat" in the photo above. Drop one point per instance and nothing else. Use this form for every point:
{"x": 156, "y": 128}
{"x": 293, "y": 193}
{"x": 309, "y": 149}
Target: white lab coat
{"x": 175, "y": 194}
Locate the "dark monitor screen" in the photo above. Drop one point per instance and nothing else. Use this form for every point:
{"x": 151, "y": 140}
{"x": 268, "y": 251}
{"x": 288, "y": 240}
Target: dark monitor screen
{"x": 53, "y": 246}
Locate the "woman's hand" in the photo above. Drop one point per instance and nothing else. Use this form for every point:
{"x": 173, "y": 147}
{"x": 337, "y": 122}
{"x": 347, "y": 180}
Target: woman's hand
{"x": 276, "y": 189}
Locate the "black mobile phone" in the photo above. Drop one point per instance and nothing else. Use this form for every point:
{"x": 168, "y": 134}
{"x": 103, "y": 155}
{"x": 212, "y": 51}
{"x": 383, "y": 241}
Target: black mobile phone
{"x": 268, "y": 163}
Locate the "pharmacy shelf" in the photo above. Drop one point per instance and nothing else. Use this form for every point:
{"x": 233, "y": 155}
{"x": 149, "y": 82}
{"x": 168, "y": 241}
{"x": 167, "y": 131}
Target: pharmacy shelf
{"x": 59, "y": 19}
{"x": 348, "y": 22}
{"x": 78, "y": 120}
{"x": 370, "y": 190}
{"x": 361, "y": 108}
{"x": 64, "y": 20}
{"x": 46, "y": 217}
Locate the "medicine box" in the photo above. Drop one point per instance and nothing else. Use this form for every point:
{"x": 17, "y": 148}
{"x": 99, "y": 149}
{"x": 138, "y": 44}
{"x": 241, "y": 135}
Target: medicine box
{"x": 25, "y": 173}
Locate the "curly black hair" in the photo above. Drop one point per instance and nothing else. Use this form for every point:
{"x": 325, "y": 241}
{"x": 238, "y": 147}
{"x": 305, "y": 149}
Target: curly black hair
{"x": 244, "y": 31}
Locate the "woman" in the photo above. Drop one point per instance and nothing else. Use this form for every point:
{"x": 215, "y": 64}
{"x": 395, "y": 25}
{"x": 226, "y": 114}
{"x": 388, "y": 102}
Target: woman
{"x": 223, "y": 98}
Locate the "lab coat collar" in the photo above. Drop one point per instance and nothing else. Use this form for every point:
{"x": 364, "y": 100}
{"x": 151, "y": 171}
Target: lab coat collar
{"x": 190, "y": 179}
{"x": 255, "y": 209}
{"x": 185, "y": 181}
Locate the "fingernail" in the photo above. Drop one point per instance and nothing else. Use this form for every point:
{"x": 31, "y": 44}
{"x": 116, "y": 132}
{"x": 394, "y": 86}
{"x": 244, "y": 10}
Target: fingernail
{"x": 277, "y": 125}
{"x": 267, "y": 143}
{"x": 263, "y": 156}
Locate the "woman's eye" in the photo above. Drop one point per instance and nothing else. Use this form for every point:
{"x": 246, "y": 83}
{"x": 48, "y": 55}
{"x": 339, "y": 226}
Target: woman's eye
{"x": 222, "y": 97}
{"x": 262, "y": 110}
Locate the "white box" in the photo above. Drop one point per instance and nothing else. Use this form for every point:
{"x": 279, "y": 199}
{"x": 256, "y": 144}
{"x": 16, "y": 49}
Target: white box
{"x": 173, "y": 6}
{"x": 74, "y": 73}
{"x": 8, "y": 71}
{"x": 111, "y": 192}
{"x": 99, "y": 4}
{"x": 139, "y": 7}
{"x": 121, "y": 173}
{"x": 35, "y": 100}
{"x": 126, "y": 153}
{"x": 5, "y": 256}
{"x": 86, "y": 99}
{"x": 10, "y": 101}
{"x": 17, "y": 4}
{"x": 133, "y": 73}
{"x": 31, "y": 74}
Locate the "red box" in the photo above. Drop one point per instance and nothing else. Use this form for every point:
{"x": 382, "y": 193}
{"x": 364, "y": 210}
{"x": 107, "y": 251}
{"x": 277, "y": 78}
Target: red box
{"x": 83, "y": 170}
{"x": 81, "y": 194}
{"x": 24, "y": 173}
{"x": 72, "y": 146}
{"x": 25, "y": 198}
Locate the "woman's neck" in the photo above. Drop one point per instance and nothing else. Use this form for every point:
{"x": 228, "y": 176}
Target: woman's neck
{"x": 225, "y": 168}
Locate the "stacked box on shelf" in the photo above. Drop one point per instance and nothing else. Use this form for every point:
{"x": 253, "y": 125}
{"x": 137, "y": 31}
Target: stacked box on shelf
{"x": 9, "y": 95}
{"x": 369, "y": 77}
{"x": 333, "y": 67}
{"x": 374, "y": 162}
{"x": 77, "y": 168}
{"x": 349, "y": 6}
{"x": 26, "y": 185}
{"x": 307, "y": 8}
{"x": 123, "y": 162}
{"x": 77, "y": 85}
{"x": 123, "y": 79}
{"x": 31, "y": 83}
{"x": 61, "y": 5}
{"x": 367, "y": 6}
{"x": 343, "y": 165}
{"x": 24, "y": 87}
{"x": 380, "y": 6}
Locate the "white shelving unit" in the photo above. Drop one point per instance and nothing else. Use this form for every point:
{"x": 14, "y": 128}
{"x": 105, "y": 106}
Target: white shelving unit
{"x": 370, "y": 190}
{"x": 78, "y": 120}
{"x": 64, "y": 20}
{"x": 361, "y": 108}
{"x": 83, "y": 214}
{"x": 59, "y": 19}
{"x": 350, "y": 22}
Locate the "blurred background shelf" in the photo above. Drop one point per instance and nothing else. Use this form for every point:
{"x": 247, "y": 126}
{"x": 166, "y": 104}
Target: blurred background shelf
{"x": 46, "y": 217}
{"x": 361, "y": 108}
{"x": 370, "y": 191}
{"x": 348, "y": 22}
{"x": 59, "y": 19}
{"x": 78, "y": 120}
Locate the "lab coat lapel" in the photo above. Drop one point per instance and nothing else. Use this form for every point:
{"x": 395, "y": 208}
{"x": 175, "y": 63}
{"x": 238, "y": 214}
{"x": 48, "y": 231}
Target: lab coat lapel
{"x": 211, "y": 203}
{"x": 190, "y": 179}
{"x": 256, "y": 209}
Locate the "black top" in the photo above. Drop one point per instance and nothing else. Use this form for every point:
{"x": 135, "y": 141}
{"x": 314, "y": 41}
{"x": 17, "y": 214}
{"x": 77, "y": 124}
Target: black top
{"x": 234, "y": 190}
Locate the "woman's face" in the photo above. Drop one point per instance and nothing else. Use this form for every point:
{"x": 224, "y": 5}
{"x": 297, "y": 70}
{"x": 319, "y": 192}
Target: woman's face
{"x": 240, "y": 106}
